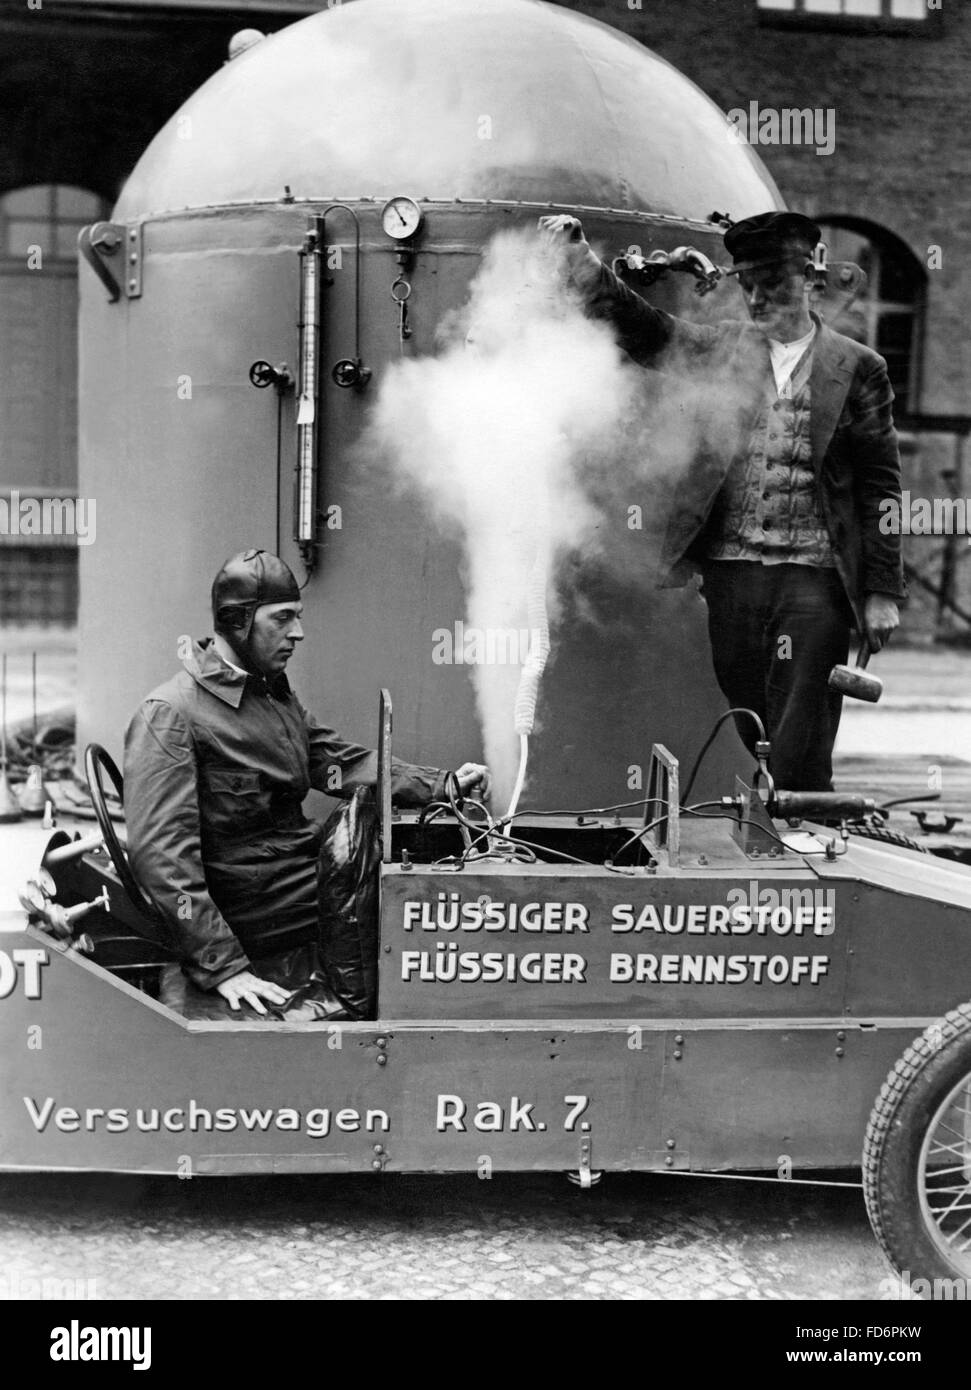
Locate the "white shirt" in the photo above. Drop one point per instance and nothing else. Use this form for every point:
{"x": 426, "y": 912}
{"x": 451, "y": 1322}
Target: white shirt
{"x": 785, "y": 357}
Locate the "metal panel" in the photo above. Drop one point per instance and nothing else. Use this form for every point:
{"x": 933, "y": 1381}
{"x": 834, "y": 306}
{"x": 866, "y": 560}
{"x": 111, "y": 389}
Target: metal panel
{"x": 483, "y": 1098}
{"x": 270, "y": 1097}
{"x": 601, "y": 945}
{"x": 782, "y": 1098}
{"x": 92, "y": 1027}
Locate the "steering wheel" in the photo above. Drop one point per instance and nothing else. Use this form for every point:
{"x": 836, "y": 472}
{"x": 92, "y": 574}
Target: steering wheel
{"x": 97, "y": 762}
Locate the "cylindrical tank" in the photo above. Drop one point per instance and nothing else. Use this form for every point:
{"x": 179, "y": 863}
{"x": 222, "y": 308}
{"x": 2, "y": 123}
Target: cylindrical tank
{"x": 487, "y": 112}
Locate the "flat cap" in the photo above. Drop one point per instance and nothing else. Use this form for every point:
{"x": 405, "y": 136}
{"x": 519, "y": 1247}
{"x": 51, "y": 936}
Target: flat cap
{"x": 769, "y": 234}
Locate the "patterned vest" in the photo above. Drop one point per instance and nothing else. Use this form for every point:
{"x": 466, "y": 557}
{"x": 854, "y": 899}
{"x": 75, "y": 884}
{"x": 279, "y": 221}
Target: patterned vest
{"x": 768, "y": 508}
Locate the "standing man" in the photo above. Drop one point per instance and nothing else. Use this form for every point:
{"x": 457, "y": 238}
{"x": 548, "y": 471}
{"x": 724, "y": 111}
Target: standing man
{"x": 218, "y": 761}
{"x": 794, "y": 450}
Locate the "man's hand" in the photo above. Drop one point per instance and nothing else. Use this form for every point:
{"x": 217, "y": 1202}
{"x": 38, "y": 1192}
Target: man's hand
{"x": 247, "y": 988}
{"x": 880, "y": 617}
{"x": 564, "y": 236}
{"x": 472, "y": 775}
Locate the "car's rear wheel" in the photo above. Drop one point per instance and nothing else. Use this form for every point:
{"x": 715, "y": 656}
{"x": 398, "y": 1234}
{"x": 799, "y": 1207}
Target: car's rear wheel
{"x": 917, "y": 1158}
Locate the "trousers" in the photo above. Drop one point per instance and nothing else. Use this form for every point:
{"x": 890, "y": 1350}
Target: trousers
{"x": 776, "y": 632}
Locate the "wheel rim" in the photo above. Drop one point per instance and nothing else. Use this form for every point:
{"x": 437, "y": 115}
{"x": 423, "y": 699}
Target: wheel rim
{"x": 944, "y": 1177}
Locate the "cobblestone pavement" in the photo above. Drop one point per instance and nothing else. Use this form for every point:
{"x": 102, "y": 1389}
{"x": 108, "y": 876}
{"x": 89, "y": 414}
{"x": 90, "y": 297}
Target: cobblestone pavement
{"x": 520, "y": 1236}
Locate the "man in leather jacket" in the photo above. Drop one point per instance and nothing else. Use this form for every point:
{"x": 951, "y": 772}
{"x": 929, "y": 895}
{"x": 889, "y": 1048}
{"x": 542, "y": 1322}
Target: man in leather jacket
{"x": 218, "y": 761}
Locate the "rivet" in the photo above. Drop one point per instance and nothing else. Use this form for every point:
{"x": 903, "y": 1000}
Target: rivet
{"x": 387, "y": 950}
{"x": 671, "y": 1144}
{"x": 669, "y": 1162}
{"x": 677, "y": 1055}
{"x": 376, "y": 1163}
{"x": 379, "y": 1148}
{"x": 132, "y": 284}
{"x": 839, "y": 1051}
{"x": 840, "y": 1036}
{"x": 679, "y": 1038}
{"x": 381, "y": 1042}
{"x": 382, "y": 1059}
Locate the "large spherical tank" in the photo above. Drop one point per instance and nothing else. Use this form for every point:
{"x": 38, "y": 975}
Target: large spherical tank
{"x": 486, "y": 112}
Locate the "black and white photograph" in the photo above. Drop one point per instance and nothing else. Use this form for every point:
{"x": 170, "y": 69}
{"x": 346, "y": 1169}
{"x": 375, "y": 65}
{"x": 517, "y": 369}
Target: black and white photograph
{"x": 485, "y": 664}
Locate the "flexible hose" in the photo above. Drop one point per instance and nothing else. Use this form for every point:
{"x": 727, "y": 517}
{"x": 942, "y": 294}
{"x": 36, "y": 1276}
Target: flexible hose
{"x": 524, "y": 715}
{"x": 521, "y": 775}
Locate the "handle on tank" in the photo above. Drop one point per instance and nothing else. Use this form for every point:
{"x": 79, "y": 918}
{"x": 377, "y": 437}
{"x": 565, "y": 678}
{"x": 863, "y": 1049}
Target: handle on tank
{"x": 94, "y": 242}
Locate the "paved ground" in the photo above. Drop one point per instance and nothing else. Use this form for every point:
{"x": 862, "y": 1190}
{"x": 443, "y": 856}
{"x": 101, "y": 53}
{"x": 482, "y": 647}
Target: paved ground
{"x": 925, "y": 706}
{"x": 515, "y": 1237}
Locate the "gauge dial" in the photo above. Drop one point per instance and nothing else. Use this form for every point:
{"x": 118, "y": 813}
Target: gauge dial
{"x": 401, "y": 218}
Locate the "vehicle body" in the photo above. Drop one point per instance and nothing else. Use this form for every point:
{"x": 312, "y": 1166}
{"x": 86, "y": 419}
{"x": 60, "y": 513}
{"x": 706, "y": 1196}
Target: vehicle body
{"x": 733, "y": 1002}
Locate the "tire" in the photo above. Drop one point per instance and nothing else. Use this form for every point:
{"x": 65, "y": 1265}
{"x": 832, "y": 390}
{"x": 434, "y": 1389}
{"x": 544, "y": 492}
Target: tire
{"x": 925, "y": 1105}
{"x": 886, "y": 837}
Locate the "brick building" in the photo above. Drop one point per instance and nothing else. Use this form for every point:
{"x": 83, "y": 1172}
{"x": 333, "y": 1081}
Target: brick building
{"x": 84, "y": 85}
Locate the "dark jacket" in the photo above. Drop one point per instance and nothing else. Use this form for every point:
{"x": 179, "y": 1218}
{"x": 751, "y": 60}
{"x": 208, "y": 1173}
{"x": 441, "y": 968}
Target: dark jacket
{"x": 216, "y": 768}
{"x": 854, "y": 444}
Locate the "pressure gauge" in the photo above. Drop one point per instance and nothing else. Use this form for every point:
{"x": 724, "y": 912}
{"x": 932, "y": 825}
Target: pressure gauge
{"x": 401, "y": 218}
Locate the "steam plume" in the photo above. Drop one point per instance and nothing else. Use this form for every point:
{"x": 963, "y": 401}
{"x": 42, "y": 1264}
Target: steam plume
{"x": 494, "y": 433}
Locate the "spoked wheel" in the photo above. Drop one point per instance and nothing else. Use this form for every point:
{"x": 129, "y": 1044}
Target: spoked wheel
{"x": 917, "y": 1156}
{"x": 97, "y": 762}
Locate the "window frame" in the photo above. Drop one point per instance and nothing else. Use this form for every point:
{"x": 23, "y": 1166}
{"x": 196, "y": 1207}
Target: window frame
{"x": 885, "y": 240}
{"x": 54, "y": 220}
{"x": 931, "y": 26}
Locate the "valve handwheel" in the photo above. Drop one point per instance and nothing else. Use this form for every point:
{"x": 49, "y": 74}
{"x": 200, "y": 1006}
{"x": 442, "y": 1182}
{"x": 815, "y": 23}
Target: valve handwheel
{"x": 97, "y": 762}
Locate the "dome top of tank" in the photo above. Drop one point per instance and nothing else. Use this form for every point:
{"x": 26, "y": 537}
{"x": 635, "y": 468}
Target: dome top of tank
{"x": 442, "y": 99}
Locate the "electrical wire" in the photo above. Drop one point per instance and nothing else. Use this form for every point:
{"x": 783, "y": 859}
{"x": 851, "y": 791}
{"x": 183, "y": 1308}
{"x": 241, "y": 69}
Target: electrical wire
{"x": 741, "y": 709}
{"x": 645, "y": 828}
{"x": 592, "y": 811}
{"x": 739, "y": 820}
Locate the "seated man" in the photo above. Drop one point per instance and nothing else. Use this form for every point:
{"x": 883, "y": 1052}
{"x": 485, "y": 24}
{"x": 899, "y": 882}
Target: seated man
{"x": 217, "y": 763}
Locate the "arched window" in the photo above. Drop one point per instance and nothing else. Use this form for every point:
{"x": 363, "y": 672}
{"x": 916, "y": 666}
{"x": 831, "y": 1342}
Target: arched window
{"x": 888, "y": 314}
{"x": 48, "y": 215}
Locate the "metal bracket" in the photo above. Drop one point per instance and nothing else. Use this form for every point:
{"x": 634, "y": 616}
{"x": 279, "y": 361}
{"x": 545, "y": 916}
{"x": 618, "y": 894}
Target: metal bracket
{"x": 384, "y": 774}
{"x": 103, "y": 240}
{"x": 930, "y": 826}
{"x": 752, "y": 829}
{"x": 585, "y": 1177}
{"x": 664, "y": 792}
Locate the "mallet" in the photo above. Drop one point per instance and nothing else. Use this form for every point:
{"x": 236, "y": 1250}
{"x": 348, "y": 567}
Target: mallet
{"x": 855, "y": 680}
